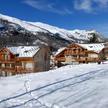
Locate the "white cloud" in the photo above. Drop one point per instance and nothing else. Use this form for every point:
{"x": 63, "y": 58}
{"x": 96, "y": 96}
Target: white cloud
{"x": 103, "y": 3}
{"x": 86, "y": 5}
{"x": 90, "y": 6}
{"x": 47, "y": 6}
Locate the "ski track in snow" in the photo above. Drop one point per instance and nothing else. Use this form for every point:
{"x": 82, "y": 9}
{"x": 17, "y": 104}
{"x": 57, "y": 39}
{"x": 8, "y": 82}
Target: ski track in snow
{"x": 69, "y": 97}
{"x": 86, "y": 77}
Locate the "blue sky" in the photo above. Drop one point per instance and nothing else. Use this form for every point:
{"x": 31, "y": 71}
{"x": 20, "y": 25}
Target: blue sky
{"x": 68, "y": 14}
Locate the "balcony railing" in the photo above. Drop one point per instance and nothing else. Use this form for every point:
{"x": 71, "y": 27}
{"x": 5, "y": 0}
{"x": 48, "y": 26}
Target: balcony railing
{"x": 7, "y": 61}
{"x": 75, "y": 53}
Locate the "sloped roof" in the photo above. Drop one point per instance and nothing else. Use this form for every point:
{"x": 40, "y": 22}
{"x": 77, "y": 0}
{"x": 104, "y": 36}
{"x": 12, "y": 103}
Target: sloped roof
{"x": 24, "y": 51}
{"x": 60, "y": 50}
{"x": 93, "y": 47}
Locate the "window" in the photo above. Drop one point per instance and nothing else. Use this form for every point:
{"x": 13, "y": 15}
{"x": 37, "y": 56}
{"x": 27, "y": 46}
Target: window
{"x": 74, "y": 49}
{"x": 19, "y": 64}
{"x": 7, "y": 65}
{"x": 74, "y": 55}
{"x": 82, "y": 55}
{"x": 83, "y": 49}
{"x": 12, "y": 65}
{"x": 23, "y": 64}
{"x": 3, "y": 65}
{"x": 6, "y": 57}
{"x": 45, "y": 56}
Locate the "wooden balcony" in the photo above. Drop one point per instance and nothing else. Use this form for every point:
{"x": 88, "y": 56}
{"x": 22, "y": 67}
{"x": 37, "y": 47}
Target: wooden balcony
{"x": 15, "y": 70}
{"x": 7, "y": 61}
{"x": 75, "y": 53}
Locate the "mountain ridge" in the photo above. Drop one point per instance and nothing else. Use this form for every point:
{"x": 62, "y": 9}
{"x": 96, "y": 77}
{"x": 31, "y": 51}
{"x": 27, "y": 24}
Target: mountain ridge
{"x": 53, "y": 33}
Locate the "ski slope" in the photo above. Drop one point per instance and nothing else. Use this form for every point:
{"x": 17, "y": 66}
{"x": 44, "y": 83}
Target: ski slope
{"x": 72, "y": 86}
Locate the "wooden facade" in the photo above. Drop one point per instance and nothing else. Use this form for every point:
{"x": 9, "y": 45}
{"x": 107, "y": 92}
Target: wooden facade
{"x": 11, "y": 64}
{"x": 75, "y": 53}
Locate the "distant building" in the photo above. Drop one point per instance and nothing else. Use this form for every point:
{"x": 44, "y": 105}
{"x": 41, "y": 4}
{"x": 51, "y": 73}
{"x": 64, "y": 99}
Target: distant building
{"x": 24, "y": 59}
{"x": 79, "y": 53}
{"x": 104, "y": 52}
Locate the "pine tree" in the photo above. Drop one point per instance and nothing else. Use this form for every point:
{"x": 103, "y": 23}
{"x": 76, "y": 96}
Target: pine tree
{"x": 94, "y": 38}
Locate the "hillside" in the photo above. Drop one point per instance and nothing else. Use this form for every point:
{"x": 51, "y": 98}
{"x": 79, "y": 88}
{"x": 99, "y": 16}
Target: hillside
{"x": 14, "y": 31}
{"x": 73, "y": 86}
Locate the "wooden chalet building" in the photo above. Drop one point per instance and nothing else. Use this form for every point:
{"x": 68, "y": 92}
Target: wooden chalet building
{"x": 104, "y": 52}
{"x": 79, "y": 53}
{"x": 24, "y": 59}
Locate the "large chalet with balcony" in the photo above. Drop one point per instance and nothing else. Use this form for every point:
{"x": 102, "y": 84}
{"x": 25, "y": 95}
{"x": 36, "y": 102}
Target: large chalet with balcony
{"x": 24, "y": 59}
{"x": 79, "y": 53}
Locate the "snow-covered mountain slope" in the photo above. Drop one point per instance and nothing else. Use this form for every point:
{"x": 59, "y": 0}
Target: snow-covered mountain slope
{"x": 73, "y": 86}
{"x": 22, "y": 23}
{"x": 67, "y": 34}
{"x": 63, "y": 32}
{"x": 82, "y": 34}
{"x": 34, "y": 27}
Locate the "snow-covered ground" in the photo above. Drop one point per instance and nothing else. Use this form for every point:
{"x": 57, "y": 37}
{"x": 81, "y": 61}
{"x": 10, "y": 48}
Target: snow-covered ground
{"x": 72, "y": 86}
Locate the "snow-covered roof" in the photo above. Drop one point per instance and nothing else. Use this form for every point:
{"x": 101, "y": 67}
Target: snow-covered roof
{"x": 93, "y": 47}
{"x": 60, "y": 50}
{"x": 24, "y": 51}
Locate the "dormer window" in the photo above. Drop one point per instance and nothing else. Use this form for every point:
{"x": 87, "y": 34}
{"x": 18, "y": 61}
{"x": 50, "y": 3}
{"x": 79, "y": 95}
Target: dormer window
{"x": 17, "y": 55}
{"x": 91, "y": 46}
{"x": 26, "y": 51}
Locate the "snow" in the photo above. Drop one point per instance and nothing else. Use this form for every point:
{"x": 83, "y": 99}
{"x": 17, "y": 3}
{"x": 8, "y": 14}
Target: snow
{"x": 63, "y": 32}
{"x": 96, "y": 47}
{"x": 66, "y": 34}
{"x": 24, "y": 51}
{"x": 36, "y": 27}
{"x": 22, "y": 23}
{"x": 72, "y": 86}
{"x": 82, "y": 34}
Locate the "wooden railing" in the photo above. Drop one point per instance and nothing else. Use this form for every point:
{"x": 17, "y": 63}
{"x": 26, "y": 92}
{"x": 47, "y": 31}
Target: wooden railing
{"x": 81, "y": 59}
{"x": 7, "y": 61}
{"x": 75, "y": 53}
